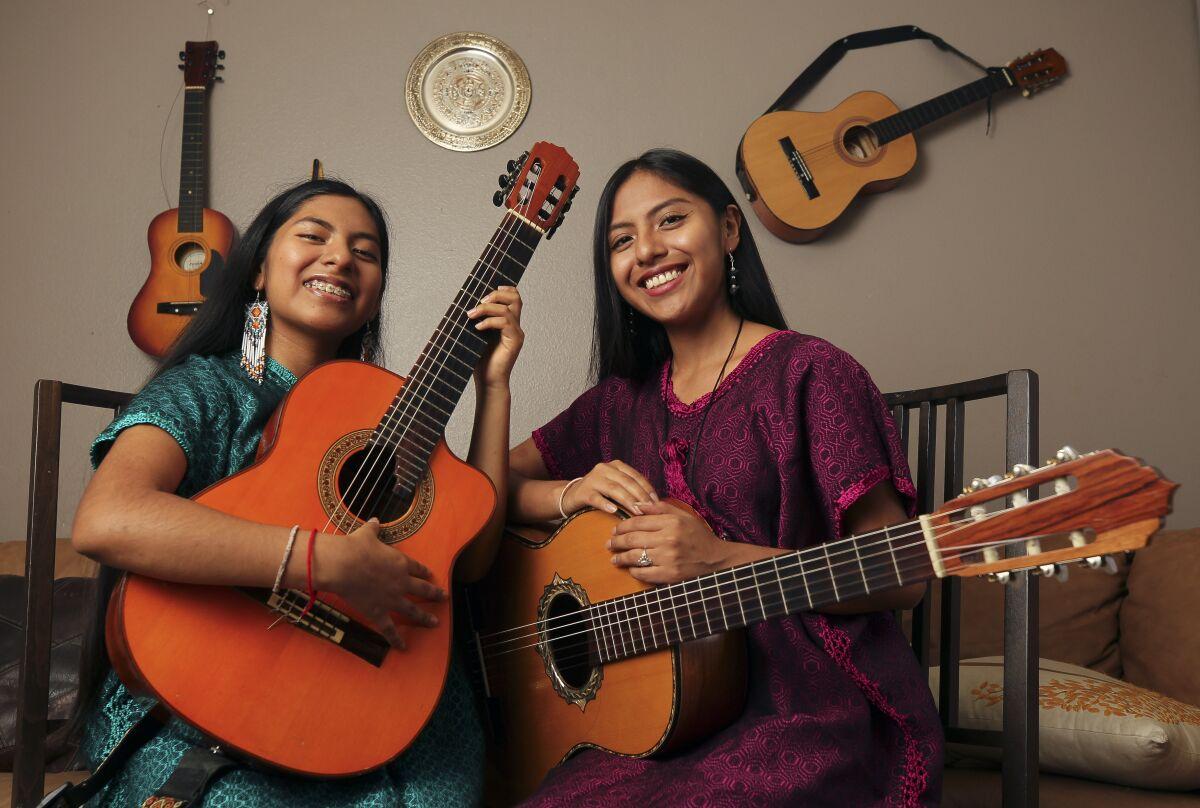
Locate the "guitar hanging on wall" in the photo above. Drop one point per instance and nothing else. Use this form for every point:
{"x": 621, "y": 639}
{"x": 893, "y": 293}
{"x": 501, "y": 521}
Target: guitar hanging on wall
{"x": 801, "y": 170}
{"x": 188, "y": 244}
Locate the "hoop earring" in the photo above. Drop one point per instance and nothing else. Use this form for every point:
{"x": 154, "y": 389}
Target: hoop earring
{"x": 254, "y": 337}
{"x": 733, "y": 278}
{"x": 367, "y": 352}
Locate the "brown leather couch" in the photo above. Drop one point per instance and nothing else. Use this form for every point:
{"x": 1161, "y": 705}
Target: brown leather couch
{"x": 1138, "y": 625}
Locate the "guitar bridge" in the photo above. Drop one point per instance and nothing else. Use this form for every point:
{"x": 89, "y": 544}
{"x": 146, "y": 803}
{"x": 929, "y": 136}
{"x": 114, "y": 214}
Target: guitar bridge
{"x": 186, "y": 309}
{"x": 325, "y": 622}
{"x": 800, "y": 167}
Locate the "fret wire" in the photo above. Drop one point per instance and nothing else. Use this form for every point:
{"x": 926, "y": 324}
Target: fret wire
{"x": 707, "y": 622}
{"x": 638, "y": 619}
{"x": 619, "y": 629}
{"x": 761, "y": 605}
{"x": 591, "y": 617}
{"x": 861, "y": 571}
{"x": 891, "y": 551}
{"x": 779, "y": 580}
{"x": 832, "y": 579}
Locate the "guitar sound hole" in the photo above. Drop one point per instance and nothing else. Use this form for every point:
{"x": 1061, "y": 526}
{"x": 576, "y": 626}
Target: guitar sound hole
{"x": 860, "y": 143}
{"x": 367, "y": 484}
{"x": 189, "y": 256}
{"x": 569, "y": 631}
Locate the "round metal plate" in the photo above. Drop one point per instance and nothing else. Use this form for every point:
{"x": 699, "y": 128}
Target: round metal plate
{"x": 467, "y": 91}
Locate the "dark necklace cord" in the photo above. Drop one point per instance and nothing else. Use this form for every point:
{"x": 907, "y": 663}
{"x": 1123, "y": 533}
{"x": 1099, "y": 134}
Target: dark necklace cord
{"x": 691, "y": 469}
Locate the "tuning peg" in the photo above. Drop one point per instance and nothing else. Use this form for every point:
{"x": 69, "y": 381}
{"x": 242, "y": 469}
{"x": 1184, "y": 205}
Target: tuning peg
{"x": 1065, "y": 454}
{"x": 1058, "y": 572}
{"x": 550, "y": 233}
{"x": 181, "y": 67}
{"x": 574, "y": 191}
{"x": 220, "y": 54}
{"x": 999, "y": 577}
{"x": 182, "y": 56}
{"x": 498, "y": 198}
{"x": 511, "y": 166}
{"x": 505, "y": 180}
{"x": 1021, "y": 469}
{"x": 220, "y": 79}
{"x": 995, "y": 479}
{"x": 220, "y": 67}
{"x": 978, "y": 484}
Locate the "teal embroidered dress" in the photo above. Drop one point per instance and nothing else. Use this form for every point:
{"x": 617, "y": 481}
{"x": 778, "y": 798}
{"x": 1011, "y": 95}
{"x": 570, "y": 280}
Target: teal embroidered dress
{"x": 217, "y": 415}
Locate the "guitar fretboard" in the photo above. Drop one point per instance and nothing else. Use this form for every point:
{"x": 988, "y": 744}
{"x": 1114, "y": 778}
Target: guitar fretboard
{"x": 193, "y": 171}
{"x": 909, "y": 120}
{"x": 740, "y": 596}
{"x": 418, "y": 416}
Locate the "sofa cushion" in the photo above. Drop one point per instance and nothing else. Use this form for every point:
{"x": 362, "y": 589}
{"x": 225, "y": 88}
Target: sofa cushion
{"x": 1078, "y": 619}
{"x": 981, "y": 788}
{"x": 1092, "y": 725}
{"x": 1160, "y": 643}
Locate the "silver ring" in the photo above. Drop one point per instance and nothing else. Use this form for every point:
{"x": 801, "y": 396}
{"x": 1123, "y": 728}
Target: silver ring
{"x": 644, "y": 559}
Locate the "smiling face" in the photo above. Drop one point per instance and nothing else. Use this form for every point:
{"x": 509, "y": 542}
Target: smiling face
{"x": 321, "y": 275}
{"x": 667, "y": 250}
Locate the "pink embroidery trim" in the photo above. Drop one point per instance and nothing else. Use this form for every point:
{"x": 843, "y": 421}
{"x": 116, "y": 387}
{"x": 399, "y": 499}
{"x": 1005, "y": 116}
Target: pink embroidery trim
{"x": 674, "y": 457}
{"x": 757, "y": 352}
{"x": 539, "y": 440}
{"x": 915, "y": 779}
{"x": 876, "y": 475}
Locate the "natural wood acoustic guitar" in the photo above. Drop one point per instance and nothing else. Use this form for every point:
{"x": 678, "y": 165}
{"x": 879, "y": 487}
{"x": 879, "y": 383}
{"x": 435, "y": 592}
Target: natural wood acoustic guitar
{"x": 188, "y": 244}
{"x": 575, "y": 653}
{"x": 326, "y": 695}
{"x": 801, "y": 170}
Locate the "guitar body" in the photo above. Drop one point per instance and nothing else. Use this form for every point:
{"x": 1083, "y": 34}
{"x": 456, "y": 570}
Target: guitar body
{"x": 285, "y": 696}
{"x": 181, "y": 268}
{"x": 838, "y": 151}
{"x": 549, "y": 707}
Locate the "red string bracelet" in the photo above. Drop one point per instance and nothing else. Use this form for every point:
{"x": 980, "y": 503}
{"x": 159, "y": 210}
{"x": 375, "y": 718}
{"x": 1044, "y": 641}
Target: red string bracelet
{"x": 312, "y": 593}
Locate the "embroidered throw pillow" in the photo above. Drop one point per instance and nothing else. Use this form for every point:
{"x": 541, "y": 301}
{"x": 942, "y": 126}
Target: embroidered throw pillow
{"x": 1092, "y": 725}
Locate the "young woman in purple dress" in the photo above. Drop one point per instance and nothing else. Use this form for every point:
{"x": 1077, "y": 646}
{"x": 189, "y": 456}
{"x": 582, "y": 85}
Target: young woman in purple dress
{"x": 780, "y": 441}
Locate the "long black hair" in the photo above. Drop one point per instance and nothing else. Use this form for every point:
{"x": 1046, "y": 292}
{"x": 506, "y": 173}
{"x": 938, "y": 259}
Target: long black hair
{"x": 627, "y": 343}
{"x": 217, "y": 326}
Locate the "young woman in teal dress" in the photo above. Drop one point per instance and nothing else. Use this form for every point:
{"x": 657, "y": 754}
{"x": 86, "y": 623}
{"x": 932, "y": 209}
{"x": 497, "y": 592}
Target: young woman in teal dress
{"x": 318, "y": 255}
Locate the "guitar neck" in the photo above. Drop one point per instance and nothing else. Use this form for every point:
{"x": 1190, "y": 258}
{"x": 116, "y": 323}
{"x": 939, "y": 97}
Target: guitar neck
{"x": 751, "y": 593}
{"x": 909, "y": 120}
{"x": 193, "y": 170}
{"x": 418, "y": 415}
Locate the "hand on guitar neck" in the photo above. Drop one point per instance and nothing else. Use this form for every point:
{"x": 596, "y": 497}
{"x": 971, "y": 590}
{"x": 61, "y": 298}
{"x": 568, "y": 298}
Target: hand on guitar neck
{"x": 681, "y": 545}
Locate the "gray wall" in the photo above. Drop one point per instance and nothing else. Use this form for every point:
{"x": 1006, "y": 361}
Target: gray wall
{"x": 1065, "y": 241}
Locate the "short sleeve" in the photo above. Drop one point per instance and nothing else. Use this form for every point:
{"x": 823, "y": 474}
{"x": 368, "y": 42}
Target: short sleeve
{"x": 574, "y": 441}
{"x": 170, "y": 402}
{"x": 853, "y": 444}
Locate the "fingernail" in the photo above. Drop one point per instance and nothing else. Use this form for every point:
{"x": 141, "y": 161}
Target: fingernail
{"x": 613, "y": 560}
{"x": 610, "y": 507}
{"x": 471, "y": 312}
{"x": 608, "y": 545}
{"x": 433, "y": 621}
{"x": 654, "y": 496}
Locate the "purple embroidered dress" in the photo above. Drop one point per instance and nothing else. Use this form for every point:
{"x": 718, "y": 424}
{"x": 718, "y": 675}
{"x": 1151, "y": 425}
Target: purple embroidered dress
{"x": 837, "y": 712}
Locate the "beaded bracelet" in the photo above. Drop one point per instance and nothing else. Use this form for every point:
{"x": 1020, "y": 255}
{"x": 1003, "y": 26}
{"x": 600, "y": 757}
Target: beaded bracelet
{"x": 562, "y": 495}
{"x": 287, "y": 555}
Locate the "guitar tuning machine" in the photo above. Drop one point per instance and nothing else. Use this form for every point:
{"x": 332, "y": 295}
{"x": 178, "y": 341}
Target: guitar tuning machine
{"x": 182, "y": 56}
{"x": 1066, "y": 454}
{"x": 498, "y": 198}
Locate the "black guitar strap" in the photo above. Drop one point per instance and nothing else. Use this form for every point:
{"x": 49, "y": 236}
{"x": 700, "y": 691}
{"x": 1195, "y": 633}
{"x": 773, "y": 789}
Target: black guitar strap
{"x": 863, "y": 39}
{"x": 194, "y": 773}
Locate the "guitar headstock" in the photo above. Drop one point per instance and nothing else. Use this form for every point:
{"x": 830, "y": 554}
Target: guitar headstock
{"x": 1038, "y": 70}
{"x": 198, "y": 61}
{"x": 1076, "y": 507}
{"x": 539, "y": 186}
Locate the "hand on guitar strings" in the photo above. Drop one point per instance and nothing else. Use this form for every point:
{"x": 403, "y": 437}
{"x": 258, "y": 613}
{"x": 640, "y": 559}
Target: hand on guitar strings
{"x": 499, "y": 311}
{"x": 678, "y": 545}
{"x": 376, "y": 579}
{"x": 609, "y": 485}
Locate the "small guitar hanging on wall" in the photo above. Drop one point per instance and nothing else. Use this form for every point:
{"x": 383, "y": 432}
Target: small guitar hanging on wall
{"x": 188, "y": 244}
{"x": 801, "y": 170}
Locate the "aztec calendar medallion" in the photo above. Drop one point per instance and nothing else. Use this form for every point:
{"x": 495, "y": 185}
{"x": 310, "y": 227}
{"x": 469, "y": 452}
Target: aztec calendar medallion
{"x": 467, "y": 91}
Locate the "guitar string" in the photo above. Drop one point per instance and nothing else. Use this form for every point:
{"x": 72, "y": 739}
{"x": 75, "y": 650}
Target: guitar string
{"x": 443, "y": 344}
{"x": 888, "y": 537}
{"x": 627, "y": 603}
{"x": 794, "y": 558}
{"x": 392, "y": 419}
{"x": 475, "y": 279}
{"x": 822, "y": 147}
{"x": 615, "y": 643}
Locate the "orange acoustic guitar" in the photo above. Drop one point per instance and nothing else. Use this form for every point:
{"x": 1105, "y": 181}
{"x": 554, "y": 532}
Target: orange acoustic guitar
{"x": 576, "y": 653}
{"x": 327, "y": 695}
{"x": 188, "y": 244}
{"x": 800, "y": 170}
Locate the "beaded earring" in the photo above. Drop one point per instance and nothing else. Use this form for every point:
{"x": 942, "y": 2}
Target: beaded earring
{"x": 254, "y": 338}
{"x": 733, "y": 278}
{"x": 367, "y": 353}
